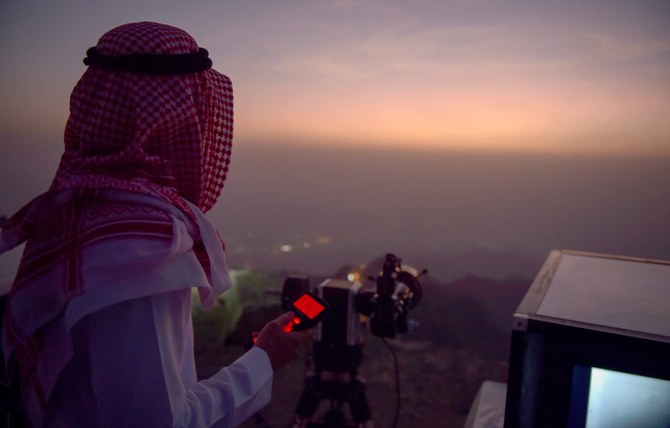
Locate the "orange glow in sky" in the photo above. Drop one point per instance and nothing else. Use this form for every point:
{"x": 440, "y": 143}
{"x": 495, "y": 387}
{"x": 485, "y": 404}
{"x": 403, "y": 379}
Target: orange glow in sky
{"x": 521, "y": 75}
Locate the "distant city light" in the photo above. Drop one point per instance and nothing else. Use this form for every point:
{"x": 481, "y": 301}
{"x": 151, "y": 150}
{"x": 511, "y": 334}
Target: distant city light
{"x": 354, "y": 277}
{"x": 286, "y": 248}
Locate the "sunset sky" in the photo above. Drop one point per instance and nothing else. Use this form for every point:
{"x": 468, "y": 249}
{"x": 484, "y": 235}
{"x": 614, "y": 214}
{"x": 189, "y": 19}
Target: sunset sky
{"x": 562, "y": 75}
{"x": 528, "y": 125}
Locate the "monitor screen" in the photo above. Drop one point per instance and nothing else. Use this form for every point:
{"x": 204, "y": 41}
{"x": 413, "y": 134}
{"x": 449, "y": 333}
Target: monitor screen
{"x": 605, "y": 398}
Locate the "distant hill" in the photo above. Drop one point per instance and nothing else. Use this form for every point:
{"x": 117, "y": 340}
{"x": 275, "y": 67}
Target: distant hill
{"x": 494, "y": 264}
{"x": 471, "y": 313}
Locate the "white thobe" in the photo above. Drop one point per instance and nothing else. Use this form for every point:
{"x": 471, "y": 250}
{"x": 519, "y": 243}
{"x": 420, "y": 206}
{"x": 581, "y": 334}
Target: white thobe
{"x": 148, "y": 378}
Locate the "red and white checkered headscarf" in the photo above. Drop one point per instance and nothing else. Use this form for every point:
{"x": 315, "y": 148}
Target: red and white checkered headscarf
{"x": 148, "y": 133}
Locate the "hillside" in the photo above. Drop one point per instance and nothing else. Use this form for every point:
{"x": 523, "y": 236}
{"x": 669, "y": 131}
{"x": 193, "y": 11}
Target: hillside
{"x": 463, "y": 339}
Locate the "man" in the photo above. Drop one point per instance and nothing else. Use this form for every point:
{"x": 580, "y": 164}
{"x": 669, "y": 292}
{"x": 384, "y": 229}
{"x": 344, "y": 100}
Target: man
{"x": 98, "y": 320}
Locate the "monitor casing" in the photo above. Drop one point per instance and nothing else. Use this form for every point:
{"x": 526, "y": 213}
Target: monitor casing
{"x": 583, "y": 311}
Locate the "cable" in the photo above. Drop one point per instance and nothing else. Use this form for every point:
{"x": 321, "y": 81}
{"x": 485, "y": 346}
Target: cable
{"x": 397, "y": 382}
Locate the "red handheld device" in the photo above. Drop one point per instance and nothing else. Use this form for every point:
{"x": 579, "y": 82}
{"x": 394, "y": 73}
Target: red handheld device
{"x": 309, "y": 310}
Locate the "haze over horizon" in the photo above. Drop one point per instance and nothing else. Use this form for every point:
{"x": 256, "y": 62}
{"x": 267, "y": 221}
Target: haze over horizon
{"x": 315, "y": 209}
{"x": 327, "y": 207}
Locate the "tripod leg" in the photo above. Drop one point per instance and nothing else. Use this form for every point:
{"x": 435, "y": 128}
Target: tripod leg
{"x": 360, "y": 408}
{"x": 309, "y": 400}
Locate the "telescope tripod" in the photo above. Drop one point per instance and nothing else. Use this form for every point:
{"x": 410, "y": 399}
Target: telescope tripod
{"x": 338, "y": 389}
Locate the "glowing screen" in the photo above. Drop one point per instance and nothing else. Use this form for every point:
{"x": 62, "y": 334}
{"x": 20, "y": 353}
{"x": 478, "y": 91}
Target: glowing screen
{"x": 308, "y": 306}
{"x": 625, "y": 400}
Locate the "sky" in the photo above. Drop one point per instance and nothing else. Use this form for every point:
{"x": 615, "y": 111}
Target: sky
{"x": 509, "y": 109}
{"x": 504, "y": 75}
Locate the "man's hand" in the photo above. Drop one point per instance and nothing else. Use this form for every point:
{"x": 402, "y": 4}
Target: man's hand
{"x": 282, "y": 347}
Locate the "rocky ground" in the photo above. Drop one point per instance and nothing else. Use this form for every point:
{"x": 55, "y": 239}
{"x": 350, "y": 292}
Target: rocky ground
{"x": 437, "y": 383}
